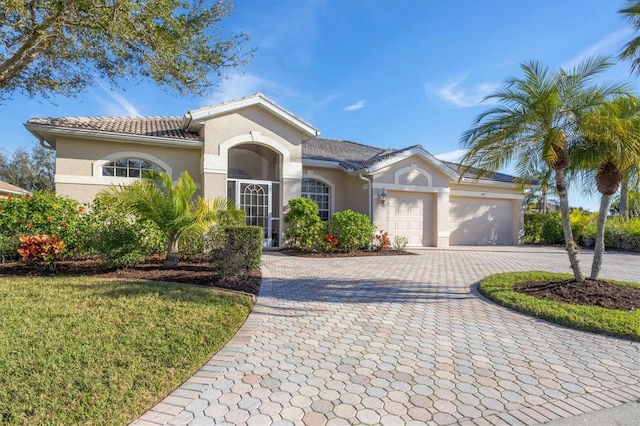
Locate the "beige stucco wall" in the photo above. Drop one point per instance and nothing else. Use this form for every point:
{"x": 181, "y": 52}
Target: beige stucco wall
{"x": 349, "y": 192}
{"x": 386, "y": 175}
{"x": 75, "y": 160}
{"x": 220, "y": 129}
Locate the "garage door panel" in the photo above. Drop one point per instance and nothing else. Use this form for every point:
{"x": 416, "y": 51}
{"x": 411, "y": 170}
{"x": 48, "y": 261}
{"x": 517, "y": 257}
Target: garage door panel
{"x": 480, "y": 221}
{"x": 410, "y": 215}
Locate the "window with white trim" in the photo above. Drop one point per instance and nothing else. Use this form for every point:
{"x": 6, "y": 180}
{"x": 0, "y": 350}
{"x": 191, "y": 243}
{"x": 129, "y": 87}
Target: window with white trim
{"x": 319, "y": 192}
{"x": 129, "y": 168}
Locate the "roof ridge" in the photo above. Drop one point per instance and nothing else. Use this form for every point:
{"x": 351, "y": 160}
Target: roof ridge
{"x": 351, "y": 142}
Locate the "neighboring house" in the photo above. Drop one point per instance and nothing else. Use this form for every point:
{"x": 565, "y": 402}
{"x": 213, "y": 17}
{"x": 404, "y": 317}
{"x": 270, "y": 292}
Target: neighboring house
{"x": 260, "y": 155}
{"x": 6, "y": 189}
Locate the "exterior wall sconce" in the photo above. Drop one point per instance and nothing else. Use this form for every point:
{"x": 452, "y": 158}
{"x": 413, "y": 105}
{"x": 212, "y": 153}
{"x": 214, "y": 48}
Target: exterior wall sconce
{"x": 382, "y": 196}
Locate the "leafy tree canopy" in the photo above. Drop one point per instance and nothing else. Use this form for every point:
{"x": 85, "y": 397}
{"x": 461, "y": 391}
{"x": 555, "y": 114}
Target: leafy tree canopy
{"x": 61, "y": 46}
{"x": 31, "y": 170}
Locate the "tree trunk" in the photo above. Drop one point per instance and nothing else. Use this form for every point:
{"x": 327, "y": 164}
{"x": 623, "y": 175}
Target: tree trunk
{"x": 172, "y": 252}
{"x": 624, "y": 198}
{"x": 570, "y": 245}
{"x": 598, "y": 250}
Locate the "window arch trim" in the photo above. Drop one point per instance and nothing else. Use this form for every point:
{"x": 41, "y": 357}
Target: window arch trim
{"x": 97, "y": 165}
{"x": 326, "y": 182}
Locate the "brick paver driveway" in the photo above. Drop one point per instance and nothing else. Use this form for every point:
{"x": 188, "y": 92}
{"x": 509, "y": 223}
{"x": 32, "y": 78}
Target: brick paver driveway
{"x": 405, "y": 339}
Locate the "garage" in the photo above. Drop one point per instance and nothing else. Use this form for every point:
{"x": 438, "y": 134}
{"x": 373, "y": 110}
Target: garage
{"x": 411, "y": 215}
{"x": 480, "y": 221}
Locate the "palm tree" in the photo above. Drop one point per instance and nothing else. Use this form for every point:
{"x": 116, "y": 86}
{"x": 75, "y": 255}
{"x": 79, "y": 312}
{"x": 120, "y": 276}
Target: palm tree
{"x": 630, "y": 181}
{"x": 540, "y": 194}
{"x": 609, "y": 145}
{"x": 534, "y": 123}
{"x": 170, "y": 206}
{"x": 631, "y": 50}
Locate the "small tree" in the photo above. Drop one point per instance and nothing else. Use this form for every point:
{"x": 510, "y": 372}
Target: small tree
{"x": 170, "y": 206}
{"x": 31, "y": 170}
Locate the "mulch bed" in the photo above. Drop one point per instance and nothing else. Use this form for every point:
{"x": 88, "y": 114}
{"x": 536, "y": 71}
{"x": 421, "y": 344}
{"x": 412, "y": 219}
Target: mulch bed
{"x": 197, "y": 271}
{"x": 588, "y": 293}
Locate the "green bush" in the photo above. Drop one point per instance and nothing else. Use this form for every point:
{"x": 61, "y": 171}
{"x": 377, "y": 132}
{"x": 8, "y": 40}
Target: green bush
{"x": 240, "y": 252}
{"x": 543, "y": 228}
{"x": 119, "y": 239}
{"x": 353, "y": 230}
{"x": 619, "y": 234}
{"x": 8, "y": 248}
{"x": 43, "y": 212}
{"x": 117, "y": 244}
{"x": 303, "y": 223}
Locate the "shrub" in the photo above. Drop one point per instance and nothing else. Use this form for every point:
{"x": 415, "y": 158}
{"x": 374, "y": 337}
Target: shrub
{"x": 352, "y": 229}
{"x": 619, "y": 234}
{"x": 41, "y": 249}
{"x": 579, "y": 221}
{"x": 400, "y": 243}
{"x": 118, "y": 244}
{"x": 303, "y": 222}
{"x": 241, "y": 251}
{"x": 43, "y": 212}
{"x": 543, "y": 228}
{"x": 8, "y": 248}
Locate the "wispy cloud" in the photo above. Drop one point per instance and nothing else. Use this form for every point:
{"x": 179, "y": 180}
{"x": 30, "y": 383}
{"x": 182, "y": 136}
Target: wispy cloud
{"x": 118, "y": 105}
{"x": 453, "y": 156}
{"x": 358, "y": 105}
{"x": 238, "y": 85}
{"x": 600, "y": 47}
{"x": 454, "y": 93}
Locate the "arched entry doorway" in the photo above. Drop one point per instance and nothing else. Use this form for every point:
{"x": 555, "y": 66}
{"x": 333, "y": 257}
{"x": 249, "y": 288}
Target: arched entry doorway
{"x": 254, "y": 184}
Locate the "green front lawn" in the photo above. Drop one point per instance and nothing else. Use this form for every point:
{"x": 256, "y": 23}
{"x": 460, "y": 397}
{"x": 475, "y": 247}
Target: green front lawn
{"x": 91, "y": 351}
{"x": 499, "y": 288}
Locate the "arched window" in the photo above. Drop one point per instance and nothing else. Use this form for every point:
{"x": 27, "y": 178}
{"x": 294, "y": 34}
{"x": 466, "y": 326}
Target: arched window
{"x": 129, "y": 168}
{"x": 319, "y": 192}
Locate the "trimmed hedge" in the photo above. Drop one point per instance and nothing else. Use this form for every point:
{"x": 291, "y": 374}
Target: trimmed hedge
{"x": 240, "y": 252}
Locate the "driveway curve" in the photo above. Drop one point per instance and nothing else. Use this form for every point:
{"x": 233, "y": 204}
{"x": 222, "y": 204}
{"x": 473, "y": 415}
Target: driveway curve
{"x": 406, "y": 340}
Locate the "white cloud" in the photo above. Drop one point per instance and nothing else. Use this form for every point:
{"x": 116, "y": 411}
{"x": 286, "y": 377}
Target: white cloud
{"x": 600, "y": 47}
{"x": 453, "y": 156}
{"x": 358, "y": 105}
{"x": 120, "y": 105}
{"x": 236, "y": 86}
{"x": 454, "y": 93}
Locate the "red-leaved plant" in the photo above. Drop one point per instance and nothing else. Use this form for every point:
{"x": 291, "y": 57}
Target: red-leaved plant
{"x": 382, "y": 241}
{"x": 42, "y": 249}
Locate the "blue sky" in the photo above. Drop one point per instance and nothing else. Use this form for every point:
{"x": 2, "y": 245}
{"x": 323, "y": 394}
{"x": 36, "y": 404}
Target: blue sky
{"x": 385, "y": 73}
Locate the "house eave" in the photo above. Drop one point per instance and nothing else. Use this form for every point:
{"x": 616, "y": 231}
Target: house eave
{"x": 50, "y": 134}
{"x": 195, "y": 119}
{"x": 410, "y": 153}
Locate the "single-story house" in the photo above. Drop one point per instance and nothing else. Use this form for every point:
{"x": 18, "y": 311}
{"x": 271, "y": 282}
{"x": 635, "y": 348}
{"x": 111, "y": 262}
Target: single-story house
{"x": 6, "y": 189}
{"x": 261, "y": 155}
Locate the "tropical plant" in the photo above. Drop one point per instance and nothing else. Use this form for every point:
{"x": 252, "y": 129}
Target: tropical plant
{"x": 609, "y": 145}
{"x": 534, "y": 123}
{"x": 632, "y": 207}
{"x": 631, "y": 50}
{"x": 170, "y": 206}
{"x": 542, "y": 188}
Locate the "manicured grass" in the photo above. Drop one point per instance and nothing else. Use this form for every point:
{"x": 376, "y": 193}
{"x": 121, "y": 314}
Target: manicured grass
{"x": 499, "y": 288}
{"x": 90, "y": 351}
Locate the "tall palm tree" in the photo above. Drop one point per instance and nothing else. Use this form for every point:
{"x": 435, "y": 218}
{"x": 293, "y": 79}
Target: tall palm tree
{"x": 609, "y": 145}
{"x": 631, "y": 50}
{"x": 536, "y": 119}
{"x": 170, "y": 206}
{"x": 630, "y": 181}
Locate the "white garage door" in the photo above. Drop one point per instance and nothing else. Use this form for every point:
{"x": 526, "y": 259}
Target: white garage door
{"x": 411, "y": 216}
{"x": 480, "y": 221}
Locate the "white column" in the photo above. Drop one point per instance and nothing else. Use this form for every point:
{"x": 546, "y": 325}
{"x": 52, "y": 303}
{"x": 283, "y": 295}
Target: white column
{"x": 442, "y": 219}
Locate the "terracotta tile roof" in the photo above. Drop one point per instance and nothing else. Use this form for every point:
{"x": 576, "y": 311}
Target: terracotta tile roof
{"x": 356, "y": 156}
{"x": 12, "y": 189}
{"x": 166, "y": 127}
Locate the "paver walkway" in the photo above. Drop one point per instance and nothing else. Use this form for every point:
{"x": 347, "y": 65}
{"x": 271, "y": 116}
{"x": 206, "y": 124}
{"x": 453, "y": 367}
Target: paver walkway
{"x": 405, "y": 340}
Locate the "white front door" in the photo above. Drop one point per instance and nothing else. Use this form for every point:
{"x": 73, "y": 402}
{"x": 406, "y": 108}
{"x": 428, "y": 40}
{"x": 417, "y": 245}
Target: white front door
{"x": 254, "y": 197}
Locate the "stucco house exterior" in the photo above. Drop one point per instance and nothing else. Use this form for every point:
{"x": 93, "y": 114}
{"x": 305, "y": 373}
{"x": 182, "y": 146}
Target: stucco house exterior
{"x": 261, "y": 155}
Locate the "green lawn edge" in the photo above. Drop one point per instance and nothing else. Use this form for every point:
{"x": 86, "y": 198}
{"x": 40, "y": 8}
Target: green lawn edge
{"x": 83, "y": 350}
{"x": 612, "y": 322}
